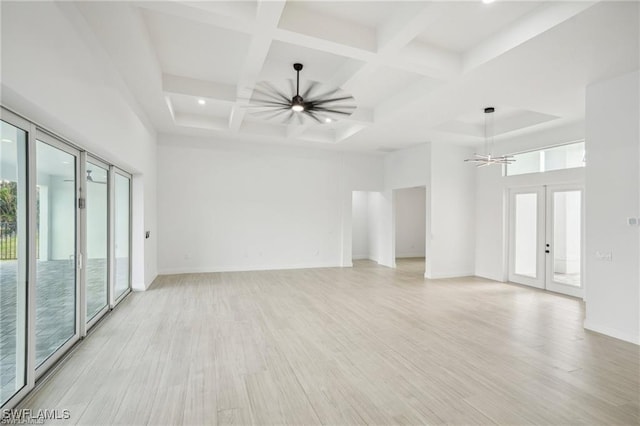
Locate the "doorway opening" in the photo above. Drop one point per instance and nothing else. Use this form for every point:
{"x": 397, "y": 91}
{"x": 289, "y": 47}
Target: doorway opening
{"x": 410, "y": 229}
{"x": 365, "y": 227}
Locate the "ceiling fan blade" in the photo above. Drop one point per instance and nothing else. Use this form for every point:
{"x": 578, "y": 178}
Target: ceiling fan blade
{"x": 336, "y": 109}
{"x": 268, "y": 110}
{"x": 326, "y": 94}
{"x": 289, "y": 117}
{"x": 275, "y": 113}
{"x": 268, "y": 104}
{"x": 309, "y": 89}
{"x": 274, "y": 91}
{"x": 265, "y": 96}
{"x": 300, "y": 119}
{"x": 312, "y": 115}
{"x": 325, "y": 101}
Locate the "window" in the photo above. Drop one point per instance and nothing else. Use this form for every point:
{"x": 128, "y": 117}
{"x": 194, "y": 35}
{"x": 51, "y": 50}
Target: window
{"x": 545, "y": 160}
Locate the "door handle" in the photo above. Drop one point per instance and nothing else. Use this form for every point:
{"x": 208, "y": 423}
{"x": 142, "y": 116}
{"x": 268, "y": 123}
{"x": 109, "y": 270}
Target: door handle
{"x": 546, "y": 251}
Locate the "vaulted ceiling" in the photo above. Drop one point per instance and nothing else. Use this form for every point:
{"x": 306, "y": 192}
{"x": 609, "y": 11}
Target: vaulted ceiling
{"x": 419, "y": 70}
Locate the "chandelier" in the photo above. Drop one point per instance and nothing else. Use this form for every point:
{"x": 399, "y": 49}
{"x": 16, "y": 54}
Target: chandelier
{"x": 487, "y": 159}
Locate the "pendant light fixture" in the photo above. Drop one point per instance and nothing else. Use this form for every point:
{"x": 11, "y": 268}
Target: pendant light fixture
{"x": 487, "y": 158}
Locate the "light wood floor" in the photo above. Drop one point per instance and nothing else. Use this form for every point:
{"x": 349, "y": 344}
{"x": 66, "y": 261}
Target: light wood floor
{"x": 340, "y": 346}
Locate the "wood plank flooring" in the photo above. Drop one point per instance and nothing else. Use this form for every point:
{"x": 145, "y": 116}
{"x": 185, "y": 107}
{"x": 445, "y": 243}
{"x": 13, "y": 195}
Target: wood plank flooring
{"x": 362, "y": 345}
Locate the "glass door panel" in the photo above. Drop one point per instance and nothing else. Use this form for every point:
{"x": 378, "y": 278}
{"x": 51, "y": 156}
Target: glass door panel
{"x": 526, "y": 234}
{"x": 526, "y": 222}
{"x": 122, "y": 231}
{"x": 13, "y": 260}
{"x": 97, "y": 266}
{"x": 56, "y": 257}
{"x": 565, "y": 234}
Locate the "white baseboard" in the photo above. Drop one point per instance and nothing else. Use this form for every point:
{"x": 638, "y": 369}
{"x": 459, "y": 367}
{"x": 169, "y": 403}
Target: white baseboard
{"x": 486, "y": 277}
{"x": 612, "y": 332}
{"x": 211, "y": 269}
{"x": 403, "y": 255}
{"x": 360, "y": 257}
{"x": 450, "y": 275}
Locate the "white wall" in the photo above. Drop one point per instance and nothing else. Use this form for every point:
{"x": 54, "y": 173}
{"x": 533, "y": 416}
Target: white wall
{"x": 450, "y": 223}
{"x": 612, "y": 182}
{"x": 55, "y": 73}
{"x": 230, "y": 206}
{"x": 407, "y": 168}
{"x": 360, "y": 225}
{"x": 411, "y": 221}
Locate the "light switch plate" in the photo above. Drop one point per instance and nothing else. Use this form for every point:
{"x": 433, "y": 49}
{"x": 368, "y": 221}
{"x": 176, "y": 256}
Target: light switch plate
{"x": 606, "y": 256}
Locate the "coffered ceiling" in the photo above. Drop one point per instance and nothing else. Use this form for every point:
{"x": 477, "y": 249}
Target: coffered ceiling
{"x": 419, "y": 70}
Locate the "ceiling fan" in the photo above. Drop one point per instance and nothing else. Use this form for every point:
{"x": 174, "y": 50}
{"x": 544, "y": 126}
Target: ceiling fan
{"x": 315, "y": 103}
{"x": 89, "y": 179}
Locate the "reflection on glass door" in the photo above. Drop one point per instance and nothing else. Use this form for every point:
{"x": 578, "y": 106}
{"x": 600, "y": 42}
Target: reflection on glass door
{"x": 13, "y": 261}
{"x": 526, "y": 223}
{"x": 97, "y": 266}
{"x": 56, "y": 240}
{"x": 565, "y": 234}
{"x": 122, "y": 231}
{"x": 545, "y": 228}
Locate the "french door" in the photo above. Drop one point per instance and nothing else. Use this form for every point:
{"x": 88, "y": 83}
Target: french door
{"x": 546, "y": 238}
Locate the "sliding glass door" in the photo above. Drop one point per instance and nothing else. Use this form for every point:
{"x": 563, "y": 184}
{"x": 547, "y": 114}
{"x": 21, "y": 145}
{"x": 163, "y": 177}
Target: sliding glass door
{"x": 13, "y": 256}
{"x": 65, "y": 249}
{"x": 122, "y": 233}
{"x": 56, "y": 238}
{"x": 97, "y": 241}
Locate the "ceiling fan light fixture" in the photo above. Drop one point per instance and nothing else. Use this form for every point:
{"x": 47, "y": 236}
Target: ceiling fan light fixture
{"x": 297, "y": 103}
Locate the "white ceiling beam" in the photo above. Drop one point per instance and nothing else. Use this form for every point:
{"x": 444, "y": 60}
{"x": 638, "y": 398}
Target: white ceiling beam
{"x": 200, "y": 122}
{"x": 347, "y": 131}
{"x": 266, "y": 24}
{"x": 198, "y": 14}
{"x": 324, "y": 45}
{"x": 391, "y": 42}
{"x": 429, "y": 61}
{"x": 198, "y": 88}
{"x": 522, "y": 30}
{"x": 298, "y": 18}
{"x": 404, "y": 26}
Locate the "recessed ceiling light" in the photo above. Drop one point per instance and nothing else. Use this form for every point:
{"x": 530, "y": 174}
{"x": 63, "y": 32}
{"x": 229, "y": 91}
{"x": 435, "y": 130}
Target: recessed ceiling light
{"x": 7, "y": 140}
{"x": 327, "y": 120}
{"x": 488, "y": 1}
{"x": 201, "y": 101}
